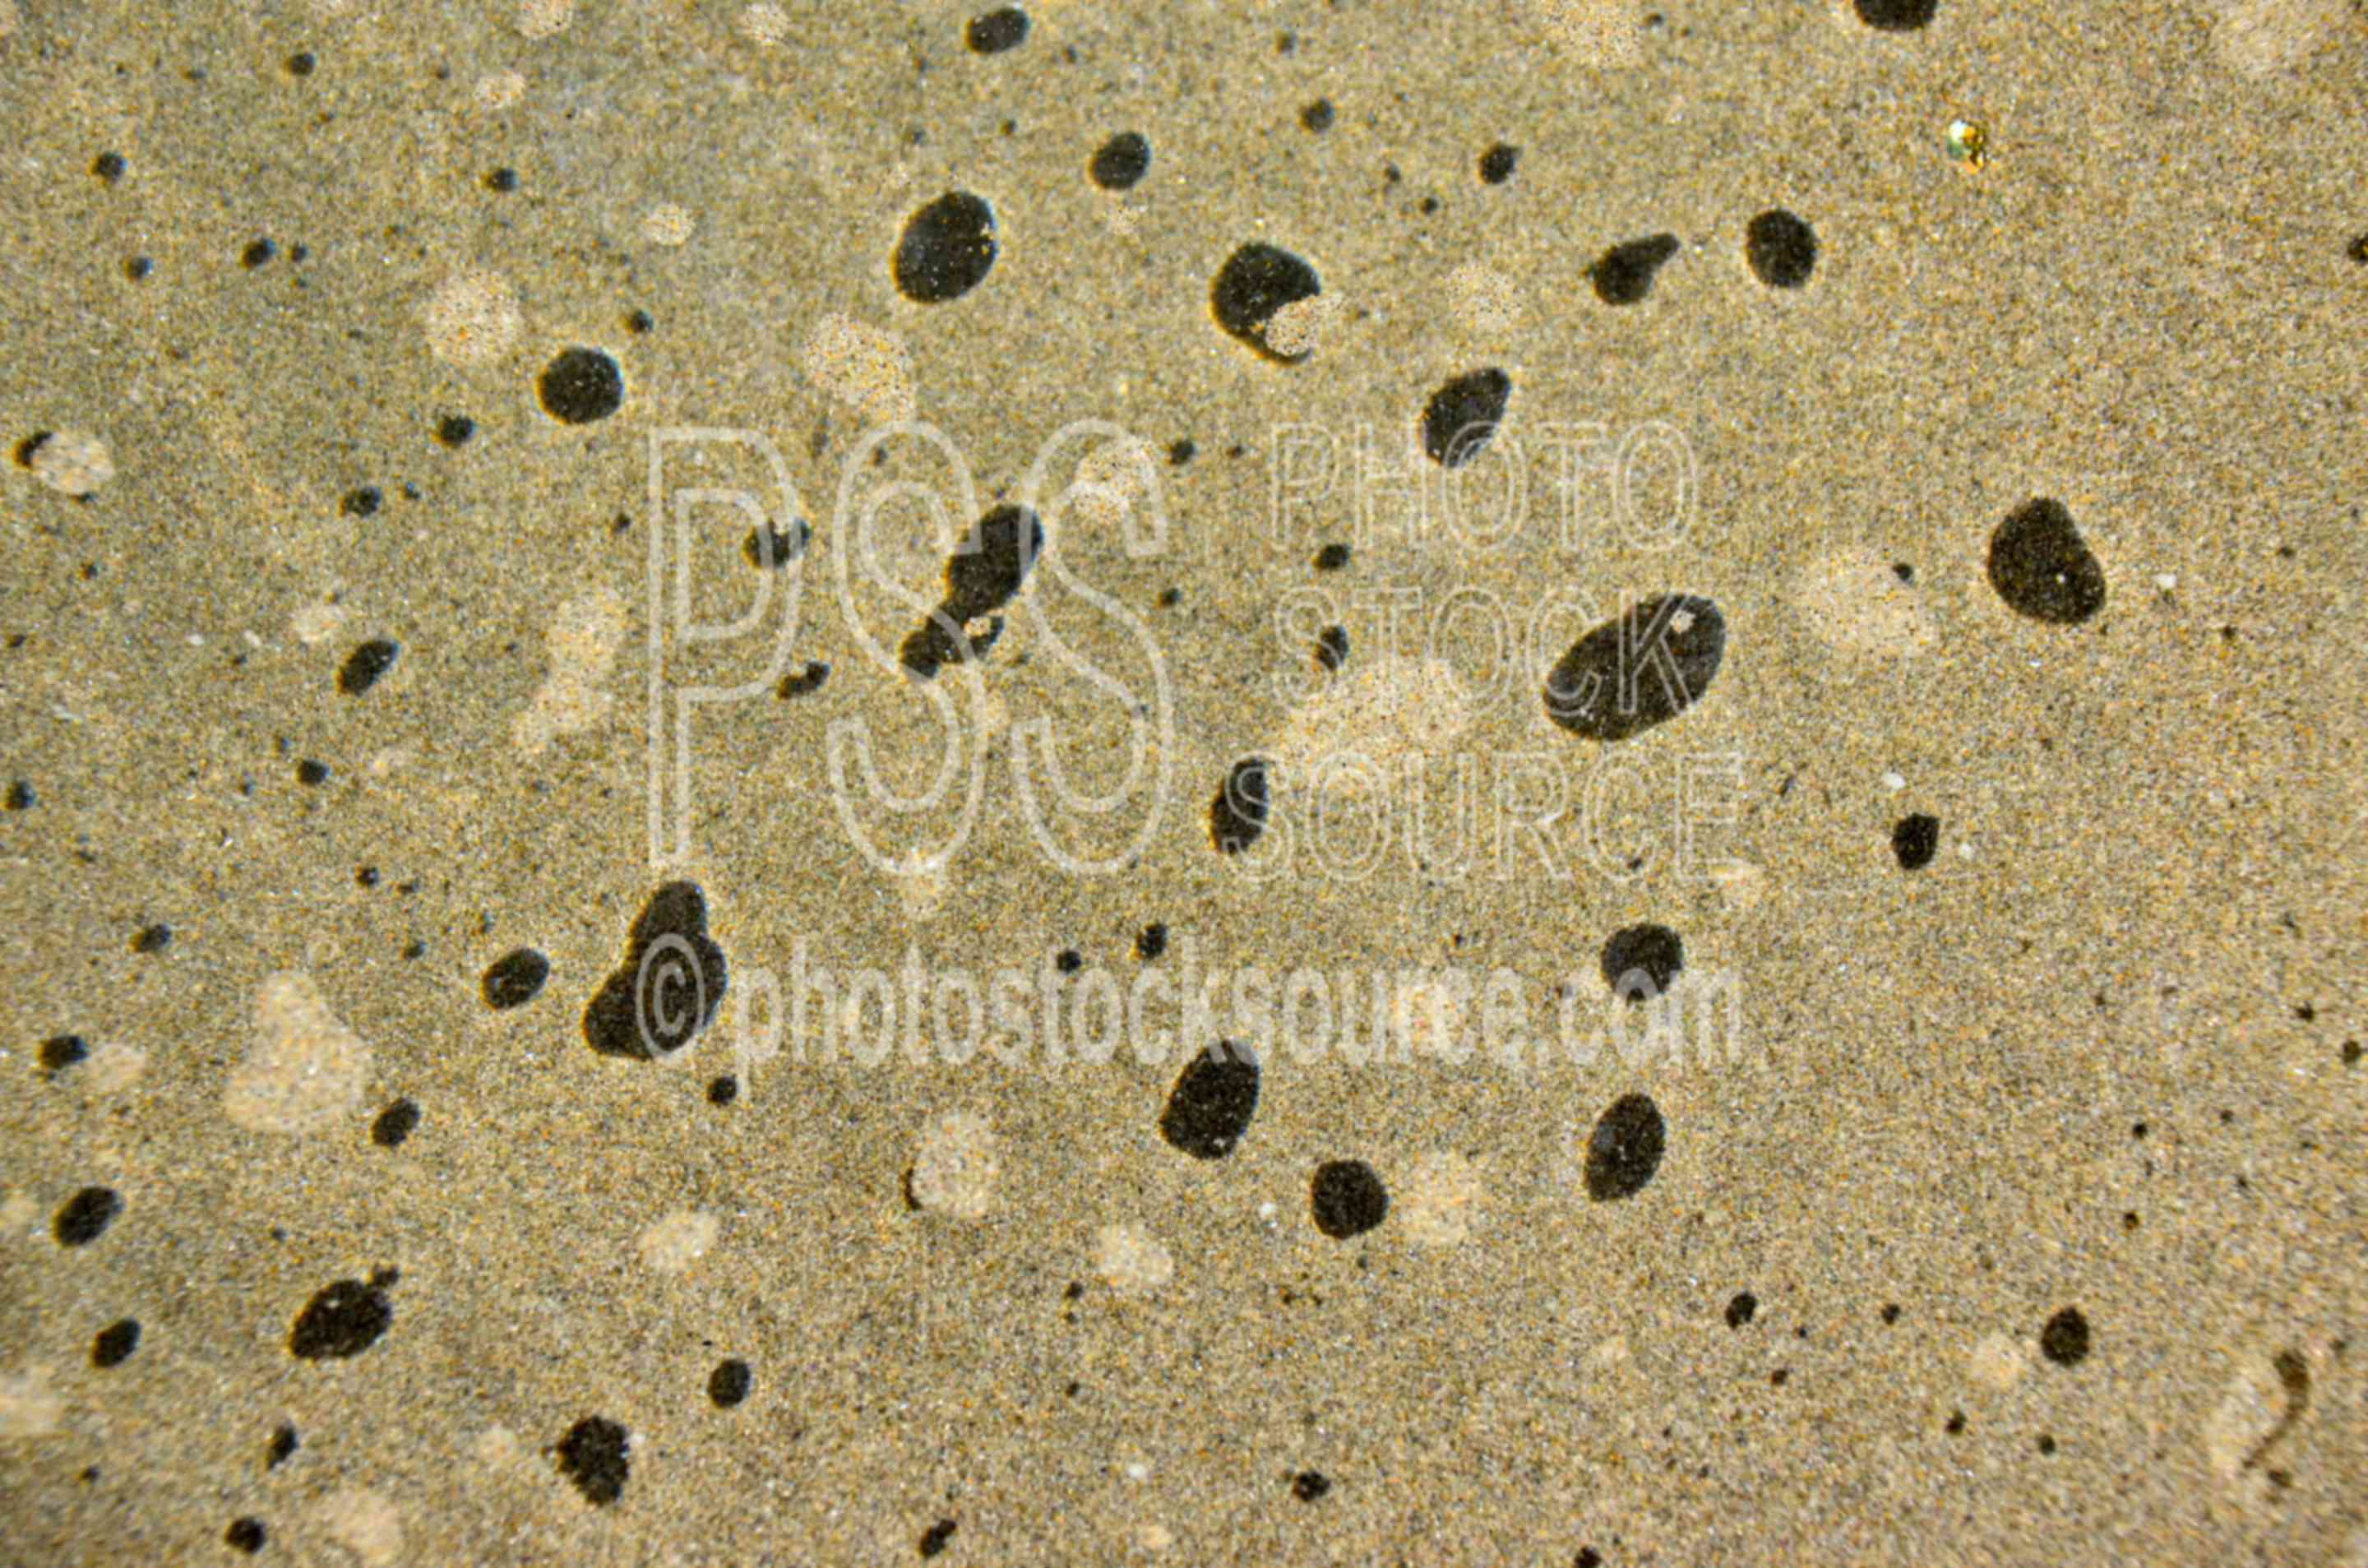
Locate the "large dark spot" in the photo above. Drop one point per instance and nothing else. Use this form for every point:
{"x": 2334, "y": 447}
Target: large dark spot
{"x": 1624, "y": 1149}
{"x": 82, "y": 1218}
{"x": 1781, "y": 248}
{"x": 1120, "y": 162}
{"x": 61, "y": 1052}
{"x": 364, "y": 665}
{"x": 1347, "y": 1198}
{"x": 1256, "y": 281}
{"x": 394, "y": 1124}
{"x": 515, "y": 978}
{"x": 581, "y": 385}
{"x": 946, "y": 249}
{"x": 593, "y": 1455}
{"x": 1639, "y": 961}
{"x": 998, "y": 31}
{"x": 1915, "y": 840}
{"x": 1740, "y": 1308}
{"x": 1309, "y": 1485}
{"x": 1896, "y": 16}
{"x": 2064, "y": 1340}
{"x": 2041, "y": 567}
{"x": 729, "y": 1384}
{"x": 1497, "y": 163}
{"x": 1462, "y": 417}
{"x": 1213, "y": 1100}
{"x": 934, "y": 1538}
{"x": 115, "y": 1343}
{"x": 983, "y": 574}
{"x": 1238, "y": 814}
{"x": 1636, "y": 671}
{"x": 342, "y": 1319}
{"x": 1623, "y": 275}
{"x": 670, "y": 985}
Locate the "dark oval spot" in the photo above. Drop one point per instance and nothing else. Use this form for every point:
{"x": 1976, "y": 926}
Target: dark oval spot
{"x": 455, "y": 429}
{"x": 394, "y": 1124}
{"x": 946, "y": 249}
{"x": 594, "y": 1456}
{"x": 61, "y": 1052}
{"x": 2064, "y": 1340}
{"x": 1623, "y": 275}
{"x": 2041, "y": 567}
{"x": 364, "y": 665}
{"x": 1896, "y": 16}
{"x": 1309, "y": 1484}
{"x": 1120, "y": 162}
{"x": 994, "y": 559}
{"x": 1151, "y": 941}
{"x": 769, "y": 549}
{"x": 1211, "y": 1104}
{"x": 1347, "y": 1198}
{"x": 153, "y": 938}
{"x": 1740, "y": 1308}
{"x": 1636, "y": 671}
{"x": 246, "y": 1535}
{"x": 342, "y": 1319}
{"x": 1332, "y": 647}
{"x": 1639, "y": 961}
{"x": 581, "y": 385}
{"x": 1915, "y": 840}
{"x": 996, "y": 31}
{"x": 283, "y": 1443}
{"x": 1463, "y": 415}
{"x": 934, "y": 1538}
{"x": 729, "y": 1384}
{"x": 1317, "y": 117}
{"x": 85, "y": 1217}
{"x": 1256, "y": 281}
{"x": 515, "y": 978}
{"x": 115, "y": 1343}
{"x": 1781, "y": 248}
{"x": 670, "y": 985}
{"x": 1624, "y": 1149}
{"x": 1238, "y": 814}
{"x": 1497, "y": 163}
{"x": 800, "y": 682}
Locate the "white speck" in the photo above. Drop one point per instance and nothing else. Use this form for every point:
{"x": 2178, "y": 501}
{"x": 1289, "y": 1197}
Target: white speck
{"x": 1138, "y": 1470}
{"x": 2166, "y": 581}
{"x": 1894, "y": 783}
{"x": 1964, "y": 852}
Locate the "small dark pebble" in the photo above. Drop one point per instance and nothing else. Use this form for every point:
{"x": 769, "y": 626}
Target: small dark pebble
{"x": 934, "y": 1538}
{"x": 1309, "y": 1484}
{"x": 1782, "y": 249}
{"x": 1896, "y": 16}
{"x": 594, "y": 1455}
{"x": 581, "y": 385}
{"x": 311, "y": 773}
{"x": 1635, "y": 672}
{"x": 455, "y": 429}
{"x": 246, "y": 1535}
{"x": 344, "y": 1318}
{"x": 1237, "y": 816}
{"x": 723, "y": 1089}
{"x": 1317, "y": 117}
{"x": 2041, "y": 567}
{"x": 394, "y": 1124}
{"x": 1915, "y": 839}
{"x": 1120, "y": 162}
{"x": 257, "y": 252}
{"x": 1256, "y": 281}
{"x": 85, "y": 1217}
{"x": 1640, "y": 961}
{"x": 1332, "y": 557}
{"x": 1151, "y": 941}
{"x": 946, "y": 250}
{"x": 1210, "y": 1109}
{"x": 153, "y": 938}
{"x": 2064, "y": 1340}
{"x": 107, "y": 166}
{"x": 1462, "y": 417}
{"x": 799, "y": 682}
{"x": 1740, "y": 1308}
{"x": 1497, "y": 162}
{"x": 729, "y": 1384}
{"x": 1623, "y": 275}
{"x": 61, "y": 1052}
{"x": 115, "y": 1343}
{"x": 284, "y": 1444}
{"x": 366, "y": 664}
{"x": 1624, "y": 1150}
{"x": 515, "y": 978}
{"x": 1347, "y": 1198}
{"x": 997, "y": 31}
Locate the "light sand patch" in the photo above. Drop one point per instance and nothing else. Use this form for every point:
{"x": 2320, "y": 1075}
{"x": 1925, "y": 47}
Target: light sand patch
{"x": 680, "y": 1240}
{"x": 543, "y": 19}
{"x": 72, "y": 462}
{"x": 28, "y": 1408}
{"x": 1858, "y": 607}
{"x": 1999, "y": 1361}
{"x": 1589, "y": 32}
{"x": 18, "y": 1214}
{"x": 1359, "y": 731}
{"x": 1438, "y": 1199}
{"x": 304, "y": 1069}
{"x": 582, "y": 644}
{"x": 498, "y": 1449}
{"x": 2258, "y": 37}
{"x": 316, "y": 623}
{"x": 955, "y": 1167}
{"x": 113, "y": 1067}
{"x": 365, "y": 1523}
{"x": 765, "y": 24}
{"x": 498, "y": 89}
{"x": 865, "y": 368}
{"x": 1485, "y": 301}
{"x": 1302, "y": 325}
{"x": 1130, "y": 1261}
{"x": 1426, "y": 1013}
{"x": 472, "y": 319}
{"x": 1111, "y": 480}
{"x": 668, "y": 224}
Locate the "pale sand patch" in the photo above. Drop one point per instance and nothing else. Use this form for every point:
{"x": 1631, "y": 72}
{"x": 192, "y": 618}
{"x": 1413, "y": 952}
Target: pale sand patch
{"x": 1361, "y": 730}
{"x": 1299, "y": 326}
{"x": 542, "y": 18}
{"x": 72, "y": 462}
{"x": 498, "y": 89}
{"x": 18, "y": 1213}
{"x": 1131, "y": 1261}
{"x": 1999, "y": 1361}
{"x": 498, "y": 1449}
{"x": 1590, "y": 32}
{"x": 1858, "y": 607}
{"x": 113, "y": 1066}
{"x": 668, "y": 224}
{"x": 864, "y": 367}
{"x": 680, "y": 1240}
{"x": 766, "y": 24}
{"x": 316, "y": 623}
{"x": 583, "y": 641}
{"x": 365, "y": 1523}
{"x": 1439, "y": 1199}
{"x": 472, "y": 319}
{"x": 28, "y": 1408}
{"x": 304, "y": 1069}
{"x": 1110, "y": 480}
{"x": 955, "y": 1167}
{"x": 1485, "y": 301}
{"x": 2258, "y": 37}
